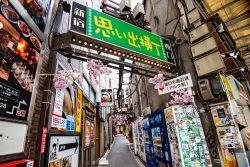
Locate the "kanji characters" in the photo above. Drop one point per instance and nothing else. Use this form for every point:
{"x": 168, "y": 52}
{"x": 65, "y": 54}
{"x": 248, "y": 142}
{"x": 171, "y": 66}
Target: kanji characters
{"x": 146, "y": 42}
{"x": 133, "y": 39}
{"x": 103, "y": 23}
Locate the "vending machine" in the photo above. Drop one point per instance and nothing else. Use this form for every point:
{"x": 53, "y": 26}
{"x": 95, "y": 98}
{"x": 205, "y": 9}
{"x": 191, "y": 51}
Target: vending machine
{"x": 138, "y": 139}
{"x": 186, "y": 137}
{"x": 161, "y": 148}
{"x": 150, "y": 158}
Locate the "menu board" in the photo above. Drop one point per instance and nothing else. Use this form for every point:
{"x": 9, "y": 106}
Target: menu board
{"x": 19, "y": 55}
{"x": 38, "y": 11}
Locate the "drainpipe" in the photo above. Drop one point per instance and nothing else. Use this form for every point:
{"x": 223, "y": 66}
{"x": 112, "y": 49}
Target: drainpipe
{"x": 139, "y": 95}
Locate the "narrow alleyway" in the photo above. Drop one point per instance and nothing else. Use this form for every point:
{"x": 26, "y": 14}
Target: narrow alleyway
{"x": 120, "y": 155}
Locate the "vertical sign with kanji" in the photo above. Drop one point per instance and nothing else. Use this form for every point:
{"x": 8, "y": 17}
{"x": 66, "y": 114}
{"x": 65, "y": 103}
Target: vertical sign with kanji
{"x": 108, "y": 29}
{"x": 79, "y": 110}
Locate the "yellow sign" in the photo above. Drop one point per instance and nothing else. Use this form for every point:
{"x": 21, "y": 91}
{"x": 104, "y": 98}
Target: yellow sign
{"x": 79, "y": 110}
{"x": 226, "y": 85}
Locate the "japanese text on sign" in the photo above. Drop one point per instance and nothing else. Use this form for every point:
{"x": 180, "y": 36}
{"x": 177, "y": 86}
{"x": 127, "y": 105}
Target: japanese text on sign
{"x": 116, "y": 32}
{"x": 178, "y": 83}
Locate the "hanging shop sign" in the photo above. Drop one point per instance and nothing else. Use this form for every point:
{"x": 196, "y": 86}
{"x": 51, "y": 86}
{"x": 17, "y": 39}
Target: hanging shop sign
{"x": 45, "y": 131}
{"x": 63, "y": 151}
{"x": 106, "y": 97}
{"x": 37, "y": 10}
{"x": 19, "y": 52}
{"x": 178, "y": 83}
{"x": 79, "y": 110}
{"x": 115, "y": 36}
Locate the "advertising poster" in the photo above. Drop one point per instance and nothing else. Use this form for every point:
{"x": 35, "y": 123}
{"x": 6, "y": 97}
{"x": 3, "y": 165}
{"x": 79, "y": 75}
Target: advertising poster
{"x": 63, "y": 151}
{"x": 19, "y": 55}
{"x": 38, "y": 11}
{"x": 89, "y": 133}
{"x": 106, "y": 97}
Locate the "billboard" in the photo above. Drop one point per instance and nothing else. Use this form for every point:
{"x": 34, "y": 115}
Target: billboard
{"x": 19, "y": 55}
{"x": 109, "y": 30}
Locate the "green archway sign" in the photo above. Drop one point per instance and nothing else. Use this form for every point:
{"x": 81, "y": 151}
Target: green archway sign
{"x": 111, "y": 35}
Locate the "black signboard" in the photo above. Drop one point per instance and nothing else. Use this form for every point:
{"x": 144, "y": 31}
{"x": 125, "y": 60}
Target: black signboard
{"x": 78, "y": 18}
{"x": 19, "y": 55}
{"x": 221, "y": 113}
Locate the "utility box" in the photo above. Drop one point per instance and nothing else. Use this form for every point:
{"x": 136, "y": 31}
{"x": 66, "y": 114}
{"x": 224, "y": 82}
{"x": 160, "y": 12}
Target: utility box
{"x": 193, "y": 16}
{"x": 209, "y": 64}
{"x": 125, "y": 6}
{"x": 12, "y": 137}
{"x": 202, "y": 47}
{"x": 205, "y": 89}
{"x": 198, "y": 32}
{"x": 138, "y": 11}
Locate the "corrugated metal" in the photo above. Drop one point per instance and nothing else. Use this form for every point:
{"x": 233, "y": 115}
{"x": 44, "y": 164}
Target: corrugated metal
{"x": 236, "y": 15}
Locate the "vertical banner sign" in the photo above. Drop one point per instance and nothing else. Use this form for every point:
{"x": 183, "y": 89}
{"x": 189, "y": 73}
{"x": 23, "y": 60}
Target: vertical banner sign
{"x": 178, "y": 83}
{"x": 79, "y": 110}
{"x": 110, "y": 30}
{"x": 58, "y": 104}
{"x": 19, "y": 55}
{"x": 106, "y": 97}
{"x": 45, "y": 131}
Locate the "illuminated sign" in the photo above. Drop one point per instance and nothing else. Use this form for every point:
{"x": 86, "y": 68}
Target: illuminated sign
{"x": 115, "y": 33}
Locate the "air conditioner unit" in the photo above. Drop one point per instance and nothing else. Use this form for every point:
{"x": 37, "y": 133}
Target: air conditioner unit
{"x": 200, "y": 48}
{"x": 205, "y": 89}
{"x": 138, "y": 11}
{"x": 238, "y": 91}
{"x": 125, "y": 6}
{"x": 193, "y": 16}
{"x": 198, "y": 32}
{"x": 209, "y": 64}
{"x": 146, "y": 111}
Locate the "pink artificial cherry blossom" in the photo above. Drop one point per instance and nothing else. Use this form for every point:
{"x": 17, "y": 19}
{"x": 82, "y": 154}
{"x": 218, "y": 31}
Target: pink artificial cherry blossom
{"x": 181, "y": 97}
{"x": 157, "y": 80}
{"x": 96, "y": 68}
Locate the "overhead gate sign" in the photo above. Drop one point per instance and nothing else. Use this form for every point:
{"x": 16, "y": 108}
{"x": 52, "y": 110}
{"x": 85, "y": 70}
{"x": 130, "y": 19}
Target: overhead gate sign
{"x": 178, "y": 83}
{"x": 106, "y": 29}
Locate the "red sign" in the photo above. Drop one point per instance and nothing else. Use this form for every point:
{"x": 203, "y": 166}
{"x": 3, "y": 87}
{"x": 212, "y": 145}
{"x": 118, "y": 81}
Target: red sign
{"x": 45, "y": 131}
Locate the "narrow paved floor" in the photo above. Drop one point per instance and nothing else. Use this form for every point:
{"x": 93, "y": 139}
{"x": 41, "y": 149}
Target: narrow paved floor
{"x": 120, "y": 155}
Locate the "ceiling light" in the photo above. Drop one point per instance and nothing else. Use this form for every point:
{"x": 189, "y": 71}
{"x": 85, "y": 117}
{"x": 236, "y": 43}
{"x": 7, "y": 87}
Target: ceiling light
{"x": 106, "y": 49}
{"x": 73, "y": 39}
{"x": 100, "y": 47}
{"x": 90, "y": 44}
{"x": 242, "y": 69}
{"x": 119, "y": 53}
{"x": 115, "y": 52}
{"x": 96, "y": 46}
{"x": 123, "y": 54}
{"x": 110, "y": 50}
{"x": 85, "y": 43}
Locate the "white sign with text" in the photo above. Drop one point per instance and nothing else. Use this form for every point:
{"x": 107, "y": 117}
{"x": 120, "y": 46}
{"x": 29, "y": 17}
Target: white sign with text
{"x": 178, "y": 83}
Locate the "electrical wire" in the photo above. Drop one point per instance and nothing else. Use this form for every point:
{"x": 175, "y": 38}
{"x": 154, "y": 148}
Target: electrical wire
{"x": 137, "y": 84}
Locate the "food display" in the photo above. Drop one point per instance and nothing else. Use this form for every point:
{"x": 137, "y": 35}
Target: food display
{"x": 38, "y": 11}
{"x": 10, "y": 13}
{"x": 24, "y": 28}
{"x": 35, "y": 41}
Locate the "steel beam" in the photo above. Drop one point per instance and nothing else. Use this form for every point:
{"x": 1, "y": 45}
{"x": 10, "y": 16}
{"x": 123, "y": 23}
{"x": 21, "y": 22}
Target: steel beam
{"x": 242, "y": 28}
{"x": 224, "y": 6}
{"x": 83, "y": 55}
{"x": 239, "y": 18}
